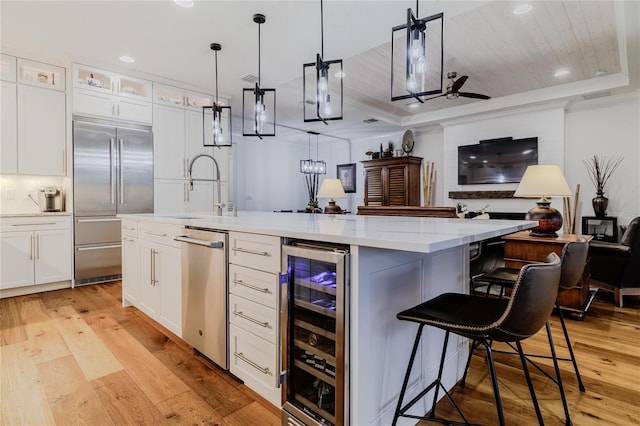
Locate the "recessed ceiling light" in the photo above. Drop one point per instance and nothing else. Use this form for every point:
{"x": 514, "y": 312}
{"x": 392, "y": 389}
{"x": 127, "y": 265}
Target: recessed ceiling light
{"x": 339, "y": 74}
{"x": 416, "y": 105}
{"x": 127, "y": 59}
{"x": 184, "y": 3}
{"x": 522, "y": 9}
{"x": 561, "y": 73}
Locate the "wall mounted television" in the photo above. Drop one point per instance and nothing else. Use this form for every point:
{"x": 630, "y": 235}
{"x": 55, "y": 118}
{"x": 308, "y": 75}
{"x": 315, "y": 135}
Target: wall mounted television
{"x": 502, "y": 160}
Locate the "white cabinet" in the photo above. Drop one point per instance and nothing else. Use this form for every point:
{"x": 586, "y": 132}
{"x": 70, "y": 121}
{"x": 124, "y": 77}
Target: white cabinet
{"x": 33, "y": 118}
{"x": 9, "y": 141}
{"x": 106, "y": 94}
{"x": 173, "y": 196}
{"x": 41, "y": 131}
{"x": 152, "y": 277}
{"x": 170, "y": 161}
{"x": 254, "y": 306}
{"x": 178, "y": 138}
{"x": 35, "y": 250}
{"x": 130, "y": 263}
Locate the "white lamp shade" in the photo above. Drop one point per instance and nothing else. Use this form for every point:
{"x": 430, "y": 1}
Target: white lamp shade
{"x": 331, "y": 188}
{"x": 543, "y": 180}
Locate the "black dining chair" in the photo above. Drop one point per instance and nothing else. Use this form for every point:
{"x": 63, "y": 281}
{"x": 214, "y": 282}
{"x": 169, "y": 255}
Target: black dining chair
{"x": 485, "y": 320}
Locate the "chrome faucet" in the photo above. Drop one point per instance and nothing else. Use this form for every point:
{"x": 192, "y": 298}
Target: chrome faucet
{"x": 219, "y": 205}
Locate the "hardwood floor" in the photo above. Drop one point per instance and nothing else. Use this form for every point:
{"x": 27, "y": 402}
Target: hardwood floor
{"x": 76, "y": 356}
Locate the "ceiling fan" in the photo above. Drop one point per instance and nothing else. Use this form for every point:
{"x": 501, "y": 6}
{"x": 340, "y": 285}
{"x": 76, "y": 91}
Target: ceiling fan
{"x": 453, "y": 88}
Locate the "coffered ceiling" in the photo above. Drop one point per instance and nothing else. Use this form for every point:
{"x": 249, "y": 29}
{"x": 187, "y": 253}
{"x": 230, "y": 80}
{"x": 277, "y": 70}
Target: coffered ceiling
{"x": 510, "y": 57}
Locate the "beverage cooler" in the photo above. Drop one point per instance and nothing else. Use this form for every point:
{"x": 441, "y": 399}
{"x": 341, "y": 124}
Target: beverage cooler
{"x": 315, "y": 334}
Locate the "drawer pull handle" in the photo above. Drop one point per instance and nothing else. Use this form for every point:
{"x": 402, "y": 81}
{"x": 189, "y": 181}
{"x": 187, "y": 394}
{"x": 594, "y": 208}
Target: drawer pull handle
{"x": 156, "y": 234}
{"x": 252, "y": 287}
{"x": 251, "y": 363}
{"x": 255, "y": 321}
{"x": 259, "y": 253}
{"x": 34, "y": 224}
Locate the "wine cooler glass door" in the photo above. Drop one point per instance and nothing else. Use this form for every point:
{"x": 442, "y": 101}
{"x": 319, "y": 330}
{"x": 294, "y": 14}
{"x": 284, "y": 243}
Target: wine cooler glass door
{"x": 314, "y": 346}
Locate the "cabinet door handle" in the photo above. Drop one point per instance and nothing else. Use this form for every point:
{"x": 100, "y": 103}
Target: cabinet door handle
{"x": 253, "y": 287}
{"x": 259, "y": 253}
{"x": 240, "y": 355}
{"x": 37, "y": 247}
{"x": 112, "y": 183}
{"x": 34, "y": 224}
{"x": 153, "y": 267}
{"x": 121, "y": 177}
{"x": 31, "y": 247}
{"x": 253, "y": 320}
{"x": 64, "y": 162}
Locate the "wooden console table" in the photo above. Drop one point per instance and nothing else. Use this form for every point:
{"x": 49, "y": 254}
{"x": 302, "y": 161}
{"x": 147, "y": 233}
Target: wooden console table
{"x": 521, "y": 248}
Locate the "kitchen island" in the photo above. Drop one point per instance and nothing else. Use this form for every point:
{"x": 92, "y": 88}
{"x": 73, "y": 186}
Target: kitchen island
{"x": 395, "y": 262}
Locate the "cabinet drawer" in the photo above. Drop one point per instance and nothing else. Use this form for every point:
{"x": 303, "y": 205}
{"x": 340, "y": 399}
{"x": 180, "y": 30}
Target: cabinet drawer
{"x": 260, "y": 287}
{"x": 160, "y": 233}
{"x": 34, "y": 223}
{"x": 130, "y": 228}
{"x": 255, "y": 251}
{"x": 253, "y": 360}
{"x": 257, "y": 319}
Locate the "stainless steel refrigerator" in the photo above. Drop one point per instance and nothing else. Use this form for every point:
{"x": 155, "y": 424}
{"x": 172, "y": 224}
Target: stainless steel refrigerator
{"x": 112, "y": 173}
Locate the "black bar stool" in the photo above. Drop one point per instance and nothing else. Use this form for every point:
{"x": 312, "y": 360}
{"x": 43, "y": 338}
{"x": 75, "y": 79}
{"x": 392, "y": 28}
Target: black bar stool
{"x": 574, "y": 258}
{"x": 484, "y": 320}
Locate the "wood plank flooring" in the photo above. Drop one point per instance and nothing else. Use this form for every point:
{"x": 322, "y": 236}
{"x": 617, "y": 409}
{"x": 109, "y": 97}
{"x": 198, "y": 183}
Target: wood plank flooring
{"x": 76, "y": 356}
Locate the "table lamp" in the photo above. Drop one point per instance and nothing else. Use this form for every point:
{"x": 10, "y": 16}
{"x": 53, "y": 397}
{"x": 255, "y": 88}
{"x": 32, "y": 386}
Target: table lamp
{"x": 332, "y": 189}
{"x": 544, "y": 180}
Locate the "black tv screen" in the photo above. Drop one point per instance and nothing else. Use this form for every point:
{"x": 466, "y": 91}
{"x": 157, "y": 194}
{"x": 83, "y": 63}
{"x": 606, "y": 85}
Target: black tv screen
{"x": 501, "y": 160}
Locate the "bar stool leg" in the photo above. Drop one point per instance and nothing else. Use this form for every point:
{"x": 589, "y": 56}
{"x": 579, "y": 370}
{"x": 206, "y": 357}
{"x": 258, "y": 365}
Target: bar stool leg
{"x": 559, "y": 377}
{"x": 407, "y": 375}
{"x": 566, "y": 337}
{"x": 474, "y": 345}
{"x": 439, "y": 379}
{"x": 494, "y": 382}
{"x": 527, "y": 376}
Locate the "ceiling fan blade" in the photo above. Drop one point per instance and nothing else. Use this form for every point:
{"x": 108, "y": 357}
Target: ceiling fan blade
{"x": 458, "y": 83}
{"x": 438, "y": 96}
{"x": 473, "y": 95}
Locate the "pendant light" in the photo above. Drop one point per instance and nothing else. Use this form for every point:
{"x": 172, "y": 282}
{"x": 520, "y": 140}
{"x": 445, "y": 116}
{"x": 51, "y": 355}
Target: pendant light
{"x": 258, "y": 104}
{"x": 416, "y": 67}
{"x": 311, "y": 169}
{"x": 323, "y": 94}
{"x": 220, "y": 116}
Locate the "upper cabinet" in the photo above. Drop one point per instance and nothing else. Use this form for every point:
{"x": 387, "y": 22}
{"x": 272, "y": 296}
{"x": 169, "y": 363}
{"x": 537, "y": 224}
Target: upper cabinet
{"x": 175, "y": 96}
{"x": 33, "y": 118}
{"x": 106, "y": 94}
{"x": 41, "y": 75}
{"x": 7, "y": 68}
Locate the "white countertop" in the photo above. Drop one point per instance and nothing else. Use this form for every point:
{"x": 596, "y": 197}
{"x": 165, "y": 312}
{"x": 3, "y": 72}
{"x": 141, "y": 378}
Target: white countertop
{"x": 37, "y": 214}
{"x": 415, "y": 234}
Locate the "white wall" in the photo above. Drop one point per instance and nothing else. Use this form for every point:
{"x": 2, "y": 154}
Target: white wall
{"x": 567, "y": 134}
{"x": 267, "y": 172}
{"x": 545, "y": 123}
{"x": 609, "y": 127}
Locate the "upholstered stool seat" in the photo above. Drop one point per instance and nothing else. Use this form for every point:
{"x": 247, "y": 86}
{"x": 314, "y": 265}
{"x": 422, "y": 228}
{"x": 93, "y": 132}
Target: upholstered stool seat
{"x": 484, "y": 320}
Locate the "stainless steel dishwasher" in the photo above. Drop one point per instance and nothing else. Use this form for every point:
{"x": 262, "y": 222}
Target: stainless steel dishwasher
{"x": 204, "y": 293}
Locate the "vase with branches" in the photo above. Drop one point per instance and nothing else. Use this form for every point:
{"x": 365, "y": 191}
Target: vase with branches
{"x": 600, "y": 169}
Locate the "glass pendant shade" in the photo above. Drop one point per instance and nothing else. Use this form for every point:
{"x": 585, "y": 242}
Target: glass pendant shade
{"x": 216, "y": 125}
{"x": 417, "y": 57}
{"x": 216, "y": 118}
{"x": 322, "y": 90}
{"x": 258, "y": 103}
